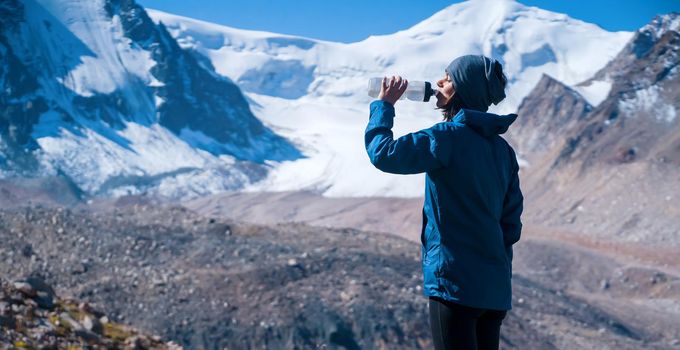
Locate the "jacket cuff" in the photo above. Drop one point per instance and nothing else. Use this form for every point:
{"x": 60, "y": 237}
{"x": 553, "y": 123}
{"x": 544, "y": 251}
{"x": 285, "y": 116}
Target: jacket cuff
{"x": 382, "y": 114}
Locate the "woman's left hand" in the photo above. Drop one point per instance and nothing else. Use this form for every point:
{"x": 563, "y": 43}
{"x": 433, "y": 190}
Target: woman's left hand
{"x": 392, "y": 89}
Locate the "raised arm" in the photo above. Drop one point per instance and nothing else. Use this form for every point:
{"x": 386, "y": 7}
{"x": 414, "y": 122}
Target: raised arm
{"x": 413, "y": 153}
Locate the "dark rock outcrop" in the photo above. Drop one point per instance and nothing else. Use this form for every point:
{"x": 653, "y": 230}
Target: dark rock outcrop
{"x": 544, "y": 120}
{"x": 21, "y": 104}
{"x": 32, "y": 317}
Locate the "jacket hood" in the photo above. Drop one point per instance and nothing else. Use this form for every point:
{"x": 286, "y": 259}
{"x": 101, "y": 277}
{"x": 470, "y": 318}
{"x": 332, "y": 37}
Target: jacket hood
{"x": 486, "y": 124}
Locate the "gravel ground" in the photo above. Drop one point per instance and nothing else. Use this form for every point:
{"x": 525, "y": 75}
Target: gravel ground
{"x": 205, "y": 282}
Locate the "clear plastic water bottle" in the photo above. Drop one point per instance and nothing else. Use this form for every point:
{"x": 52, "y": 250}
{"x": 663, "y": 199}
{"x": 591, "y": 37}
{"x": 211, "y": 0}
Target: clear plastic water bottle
{"x": 415, "y": 91}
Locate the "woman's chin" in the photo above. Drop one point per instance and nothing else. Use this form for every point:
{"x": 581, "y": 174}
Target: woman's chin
{"x": 441, "y": 101}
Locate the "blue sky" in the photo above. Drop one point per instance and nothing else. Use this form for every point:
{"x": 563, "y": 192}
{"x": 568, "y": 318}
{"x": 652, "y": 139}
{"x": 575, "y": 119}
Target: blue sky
{"x": 354, "y": 20}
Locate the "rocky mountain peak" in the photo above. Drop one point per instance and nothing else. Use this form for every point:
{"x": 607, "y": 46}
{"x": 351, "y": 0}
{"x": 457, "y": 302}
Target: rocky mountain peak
{"x": 638, "y": 119}
{"x": 662, "y": 24}
{"x": 134, "y": 19}
{"x": 542, "y": 119}
{"x": 659, "y": 33}
{"x": 618, "y": 159}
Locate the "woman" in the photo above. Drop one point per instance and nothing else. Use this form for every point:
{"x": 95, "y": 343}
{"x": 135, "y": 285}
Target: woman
{"x": 473, "y": 202}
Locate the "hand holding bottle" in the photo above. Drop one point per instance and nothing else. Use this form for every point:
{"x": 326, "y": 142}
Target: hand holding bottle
{"x": 414, "y": 90}
{"x": 392, "y": 89}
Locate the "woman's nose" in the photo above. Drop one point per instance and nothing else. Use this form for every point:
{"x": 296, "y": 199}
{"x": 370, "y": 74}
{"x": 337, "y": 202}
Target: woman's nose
{"x": 440, "y": 83}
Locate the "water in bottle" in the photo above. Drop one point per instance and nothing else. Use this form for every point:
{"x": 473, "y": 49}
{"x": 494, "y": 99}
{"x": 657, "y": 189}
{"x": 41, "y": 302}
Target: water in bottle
{"x": 415, "y": 91}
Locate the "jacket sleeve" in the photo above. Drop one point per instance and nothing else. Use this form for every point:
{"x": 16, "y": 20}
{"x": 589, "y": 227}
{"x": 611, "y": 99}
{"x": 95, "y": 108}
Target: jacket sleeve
{"x": 513, "y": 205}
{"x": 413, "y": 153}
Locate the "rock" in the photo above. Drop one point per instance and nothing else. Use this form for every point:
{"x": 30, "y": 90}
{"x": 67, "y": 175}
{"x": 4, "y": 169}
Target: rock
{"x": 346, "y": 296}
{"x": 86, "y": 307}
{"x": 79, "y": 268}
{"x": 604, "y": 284}
{"x": 93, "y": 324}
{"x": 25, "y": 288}
{"x": 27, "y": 250}
{"x": 6, "y": 322}
{"x": 31, "y": 303}
{"x": 87, "y": 335}
{"x": 173, "y": 346}
{"x": 41, "y": 292}
{"x": 70, "y": 322}
{"x": 134, "y": 343}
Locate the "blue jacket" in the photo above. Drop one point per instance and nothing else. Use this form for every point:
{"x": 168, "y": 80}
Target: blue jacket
{"x": 473, "y": 202}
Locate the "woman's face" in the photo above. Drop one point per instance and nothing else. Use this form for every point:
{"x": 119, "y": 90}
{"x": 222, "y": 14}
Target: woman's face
{"x": 446, "y": 90}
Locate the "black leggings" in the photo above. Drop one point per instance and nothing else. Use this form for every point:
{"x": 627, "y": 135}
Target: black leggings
{"x": 459, "y": 327}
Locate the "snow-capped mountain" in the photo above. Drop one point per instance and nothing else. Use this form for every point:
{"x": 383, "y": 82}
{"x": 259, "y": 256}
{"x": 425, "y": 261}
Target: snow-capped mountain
{"x": 314, "y": 91}
{"x": 99, "y": 93}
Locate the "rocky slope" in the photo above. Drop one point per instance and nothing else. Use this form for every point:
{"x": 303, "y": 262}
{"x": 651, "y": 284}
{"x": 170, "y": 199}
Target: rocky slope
{"x": 205, "y": 282}
{"x": 610, "y": 170}
{"x": 33, "y": 317}
{"x": 637, "y": 121}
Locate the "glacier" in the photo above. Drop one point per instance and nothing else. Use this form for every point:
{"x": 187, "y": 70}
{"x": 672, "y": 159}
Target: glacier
{"x": 327, "y": 120}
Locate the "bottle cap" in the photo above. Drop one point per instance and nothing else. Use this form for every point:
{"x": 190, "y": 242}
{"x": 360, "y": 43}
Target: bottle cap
{"x": 428, "y": 92}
